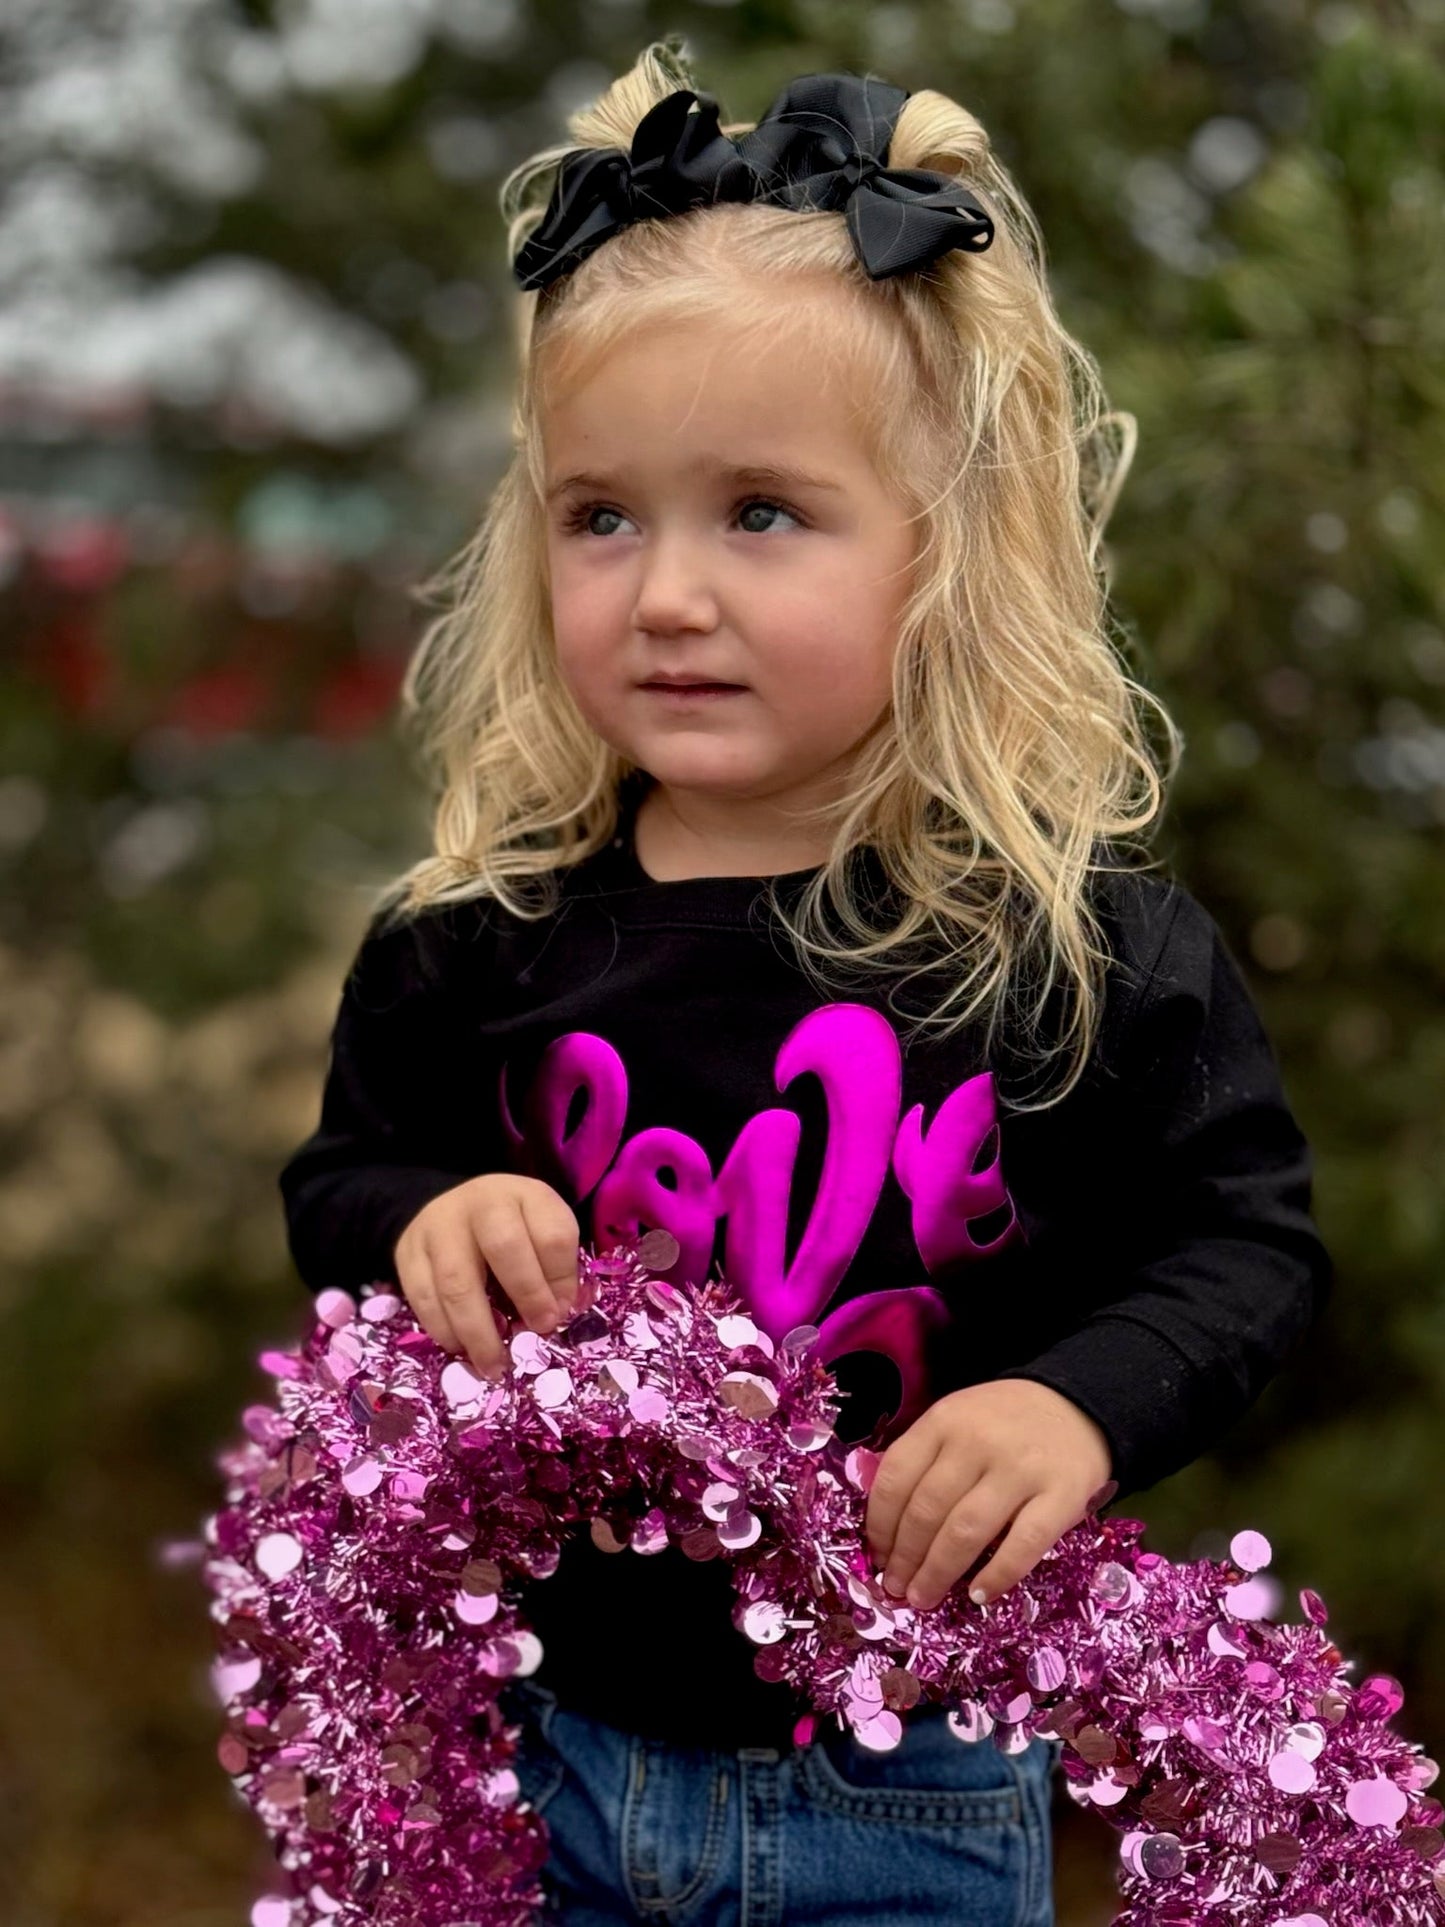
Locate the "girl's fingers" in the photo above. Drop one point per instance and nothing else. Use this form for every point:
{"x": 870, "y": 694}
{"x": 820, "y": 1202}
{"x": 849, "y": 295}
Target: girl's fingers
{"x": 972, "y": 1524}
{"x": 553, "y": 1231}
{"x": 954, "y": 1511}
{"x": 895, "y": 1483}
{"x": 507, "y": 1243}
{"x": 420, "y": 1294}
{"x": 1037, "y": 1526}
{"x": 456, "y": 1275}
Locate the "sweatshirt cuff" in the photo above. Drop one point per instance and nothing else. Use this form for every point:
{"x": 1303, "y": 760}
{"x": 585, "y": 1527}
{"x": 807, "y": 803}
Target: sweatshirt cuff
{"x": 1136, "y": 1385}
{"x": 346, "y": 1236}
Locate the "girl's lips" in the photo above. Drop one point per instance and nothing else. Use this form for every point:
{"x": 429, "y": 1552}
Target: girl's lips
{"x": 693, "y": 691}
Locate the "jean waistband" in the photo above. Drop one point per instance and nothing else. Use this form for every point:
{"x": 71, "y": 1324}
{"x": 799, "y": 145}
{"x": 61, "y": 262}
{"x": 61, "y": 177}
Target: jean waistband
{"x": 717, "y": 1735}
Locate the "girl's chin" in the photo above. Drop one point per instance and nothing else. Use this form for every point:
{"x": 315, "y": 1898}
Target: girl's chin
{"x": 687, "y": 765}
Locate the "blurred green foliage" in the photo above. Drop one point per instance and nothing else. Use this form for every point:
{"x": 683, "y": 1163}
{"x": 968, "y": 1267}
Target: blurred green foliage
{"x": 207, "y": 603}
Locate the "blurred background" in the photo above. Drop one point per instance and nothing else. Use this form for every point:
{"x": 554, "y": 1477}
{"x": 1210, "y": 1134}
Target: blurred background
{"x": 255, "y": 336}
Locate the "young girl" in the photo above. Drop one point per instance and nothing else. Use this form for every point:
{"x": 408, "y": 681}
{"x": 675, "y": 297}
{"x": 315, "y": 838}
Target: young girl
{"x": 789, "y": 893}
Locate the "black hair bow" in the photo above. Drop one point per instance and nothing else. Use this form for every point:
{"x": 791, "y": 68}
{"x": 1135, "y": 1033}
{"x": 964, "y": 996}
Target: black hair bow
{"x": 822, "y": 144}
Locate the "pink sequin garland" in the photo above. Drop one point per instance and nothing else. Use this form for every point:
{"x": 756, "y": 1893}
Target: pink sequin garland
{"x": 379, "y": 1518}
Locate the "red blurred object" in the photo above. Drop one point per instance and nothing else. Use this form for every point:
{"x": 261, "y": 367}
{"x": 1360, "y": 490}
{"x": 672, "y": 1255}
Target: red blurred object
{"x": 83, "y": 555}
{"x": 356, "y": 696}
{"x": 231, "y": 697}
{"x": 69, "y": 654}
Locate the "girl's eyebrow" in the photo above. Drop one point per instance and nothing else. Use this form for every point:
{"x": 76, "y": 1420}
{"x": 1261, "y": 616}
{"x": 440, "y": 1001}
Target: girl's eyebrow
{"x": 753, "y": 474}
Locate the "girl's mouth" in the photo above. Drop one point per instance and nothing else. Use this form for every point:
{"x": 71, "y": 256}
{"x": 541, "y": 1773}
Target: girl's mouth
{"x": 681, "y": 692}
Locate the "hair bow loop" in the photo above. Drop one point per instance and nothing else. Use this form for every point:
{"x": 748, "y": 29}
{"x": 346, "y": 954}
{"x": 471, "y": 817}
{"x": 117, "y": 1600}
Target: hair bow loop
{"x": 681, "y": 159}
{"x": 904, "y": 218}
{"x": 591, "y": 200}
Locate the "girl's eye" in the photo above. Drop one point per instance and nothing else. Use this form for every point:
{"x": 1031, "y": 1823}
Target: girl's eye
{"x": 763, "y": 501}
{"x": 578, "y": 519}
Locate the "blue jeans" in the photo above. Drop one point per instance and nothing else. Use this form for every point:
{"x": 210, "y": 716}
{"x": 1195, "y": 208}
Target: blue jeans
{"x": 939, "y": 1829}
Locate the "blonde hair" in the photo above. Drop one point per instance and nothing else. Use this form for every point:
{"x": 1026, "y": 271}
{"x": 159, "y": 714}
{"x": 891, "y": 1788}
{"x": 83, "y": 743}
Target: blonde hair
{"x": 1017, "y": 754}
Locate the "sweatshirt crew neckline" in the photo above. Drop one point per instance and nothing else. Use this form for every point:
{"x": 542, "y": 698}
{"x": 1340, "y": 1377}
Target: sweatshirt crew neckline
{"x": 616, "y": 873}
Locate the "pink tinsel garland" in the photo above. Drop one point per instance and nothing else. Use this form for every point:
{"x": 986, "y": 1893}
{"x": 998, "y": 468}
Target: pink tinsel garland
{"x": 379, "y": 1522}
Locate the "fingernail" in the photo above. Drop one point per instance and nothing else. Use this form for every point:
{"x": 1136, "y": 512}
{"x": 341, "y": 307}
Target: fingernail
{"x": 918, "y": 1599}
{"x": 893, "y": 1583}
{"x": 978, "y": 1596}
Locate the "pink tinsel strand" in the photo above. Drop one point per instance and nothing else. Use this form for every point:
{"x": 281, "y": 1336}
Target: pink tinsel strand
{"x": 382, "y": 1516}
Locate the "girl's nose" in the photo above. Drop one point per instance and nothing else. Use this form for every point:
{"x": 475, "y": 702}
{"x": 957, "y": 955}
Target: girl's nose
{"x": 676, "y": 587}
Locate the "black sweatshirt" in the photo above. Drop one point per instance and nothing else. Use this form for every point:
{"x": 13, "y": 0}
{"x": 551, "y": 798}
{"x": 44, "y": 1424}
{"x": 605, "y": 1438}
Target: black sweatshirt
{"x": 1144, "y": 1246}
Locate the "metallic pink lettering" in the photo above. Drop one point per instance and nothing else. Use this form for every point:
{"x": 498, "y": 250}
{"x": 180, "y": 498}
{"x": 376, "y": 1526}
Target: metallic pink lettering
{"x": 951, "y": 1173}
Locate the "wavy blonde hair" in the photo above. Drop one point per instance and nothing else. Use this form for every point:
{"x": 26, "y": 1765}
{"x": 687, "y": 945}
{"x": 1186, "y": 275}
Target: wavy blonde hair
{"x": 1018, "y": 753}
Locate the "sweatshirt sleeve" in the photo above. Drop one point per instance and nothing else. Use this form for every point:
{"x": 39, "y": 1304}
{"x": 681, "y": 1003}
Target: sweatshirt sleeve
{"x": 383, "y": 1147}
{"x": 1227, "y": 1271}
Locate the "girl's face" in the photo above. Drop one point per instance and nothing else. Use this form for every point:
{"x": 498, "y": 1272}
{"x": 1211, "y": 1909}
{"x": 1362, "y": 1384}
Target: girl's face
{"x": 711, "y": 514}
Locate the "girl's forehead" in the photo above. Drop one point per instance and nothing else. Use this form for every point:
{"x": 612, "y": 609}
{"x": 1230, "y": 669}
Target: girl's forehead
{"x": 698, "y": 388}
{"x": 811, "y": 342}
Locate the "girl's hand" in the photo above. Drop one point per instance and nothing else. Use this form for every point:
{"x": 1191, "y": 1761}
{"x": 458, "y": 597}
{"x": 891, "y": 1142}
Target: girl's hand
{"x": 520, "y": 1230}
{"x": 1009, "y": 1449}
